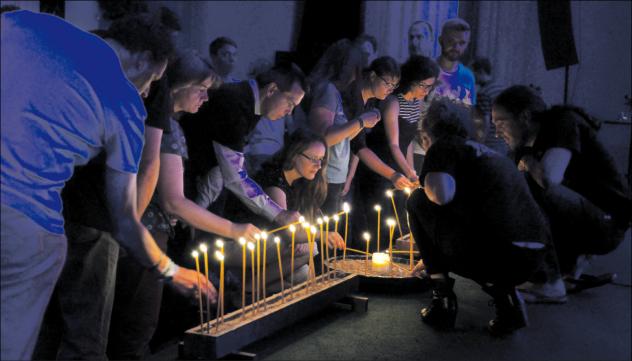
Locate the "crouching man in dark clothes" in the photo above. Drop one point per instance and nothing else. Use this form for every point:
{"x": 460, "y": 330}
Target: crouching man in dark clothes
{"x": 474, "y": 217}
{"x": 572, "y": 177}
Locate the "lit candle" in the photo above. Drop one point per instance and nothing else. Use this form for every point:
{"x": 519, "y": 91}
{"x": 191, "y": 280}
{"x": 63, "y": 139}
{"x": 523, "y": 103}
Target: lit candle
{"x": 220, "y": 303}
{"x": 306, "y": 227}
{"x": 258, "y": 239}
{"x": 367, "y": 238}
{"x": 326, "y": 219}
{"x": 322, "y": 249}
{"x": 336, "y": 220}
{"x": 389, "y": 193}
{"x": 346, "y": 209}
{"x": 378, "y": 209}
{"x": 277, "y": 240}
{"x": 301, "y": 219}
{"x": 311, "y": 256}
{"x": 380, "y": 262}
{"x": 264, "y": 236}
{"x": 195, "y": 255}
{"x": 251, "y": 247}
{"x": 293, "y": 231}
{"x": 242, "y": 242}
{"x": 391, "y": 230}
{"x": 204, "y": 250}
{"x": 407, "y": 191}
{"x": 219, "y": 243}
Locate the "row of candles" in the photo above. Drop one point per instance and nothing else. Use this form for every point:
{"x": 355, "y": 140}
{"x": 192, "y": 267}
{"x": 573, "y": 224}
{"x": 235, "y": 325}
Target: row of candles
{"x": 380, "y": 261}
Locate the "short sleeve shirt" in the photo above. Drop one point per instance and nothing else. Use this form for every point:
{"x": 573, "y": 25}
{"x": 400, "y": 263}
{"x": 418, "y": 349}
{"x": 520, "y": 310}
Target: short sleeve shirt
{"x": 65, "y": 98}
{"x": 458, "y": 86}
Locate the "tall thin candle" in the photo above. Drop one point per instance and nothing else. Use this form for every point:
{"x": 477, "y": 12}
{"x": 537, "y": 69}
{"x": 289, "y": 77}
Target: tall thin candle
{"x": 336, "y": 220}
{"x": 322, "y": 249}
{"x": 391, "y": 230}
{"x": 277, "y": 240}
{"x": 242, "y": 242}
{"x": 220, "y": 318}
{"x": 346, "y": 209}
{"x": 251, "y": 247}
{"x": 378, "y": 209}
{"x": 264, "y": 236}
{"x": 195, "y": 255}
{"x": 389, "y": 193}
{"x": 367, "y": 238}
{"x": 204, "y": 250}
{"x": 293, "y": 231}
{"x": 326, "y": 219}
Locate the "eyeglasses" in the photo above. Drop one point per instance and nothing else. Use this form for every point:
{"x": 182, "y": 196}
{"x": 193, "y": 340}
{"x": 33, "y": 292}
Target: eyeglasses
{"x": 315, "y": 161}
{"x": 425, "y": 86}
{"x": 388, "y": 84}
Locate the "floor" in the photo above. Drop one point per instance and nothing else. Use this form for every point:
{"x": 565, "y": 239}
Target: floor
{"x": 593, "y": 325}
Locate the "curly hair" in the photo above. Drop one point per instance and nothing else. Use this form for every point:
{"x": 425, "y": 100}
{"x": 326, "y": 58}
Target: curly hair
{"x": 416, "y": 69}
{"x": 142, "y": 32}
{"x": 446, "y": 118}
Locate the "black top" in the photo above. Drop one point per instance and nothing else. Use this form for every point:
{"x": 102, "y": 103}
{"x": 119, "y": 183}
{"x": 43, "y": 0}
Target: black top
{"x": 353, "y": 106}
{"x": 227, "y": 117}
{"x": 159, "y": 105}
{"x": 270, "y": 175}
{"x": 490, "y": 190}
{"x": 591, "y": 171}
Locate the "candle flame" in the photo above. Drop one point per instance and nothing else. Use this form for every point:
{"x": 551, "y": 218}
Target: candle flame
{"x": 242, "y": 241}
{"x": 277, "y": 240}
{"x": 389, "y": 193}
{"x": 377, "y": 207}
{"x": 301, "y": 219}
{"x": 390, "y": 222}
{"x": 366, "y": 236}
{"x": 345, "y": 207}
{"x": 313, "y": 229}
{"x": 319, "y": 221}
{"x": 407, "y": 190}
{"x": 326, "y": 219}
{"x": 292, "y": 229}
{"x": 264, "y": 235}
{"x": 257, "y": 236}
{"x": 203, "y": 248}
{"x": 195, "y": 254}
{"x": 251, "y": 246}
{"x": 219, "y": 243}
{"x": 219, "y": 255}
{"x": 336, "y": 218}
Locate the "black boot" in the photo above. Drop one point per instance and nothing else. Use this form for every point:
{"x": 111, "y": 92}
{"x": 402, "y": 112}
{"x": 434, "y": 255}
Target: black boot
{"x": 441, "y": 313}
{"x": 511, "y": 313}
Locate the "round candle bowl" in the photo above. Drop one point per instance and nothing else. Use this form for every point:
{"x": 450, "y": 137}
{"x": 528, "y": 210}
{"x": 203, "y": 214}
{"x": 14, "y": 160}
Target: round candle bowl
{"x": 396, "y": 278}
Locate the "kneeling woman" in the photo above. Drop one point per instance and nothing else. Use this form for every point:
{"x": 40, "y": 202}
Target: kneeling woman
{"x": 475, "y": 217}
{"x": 295, "y": 179}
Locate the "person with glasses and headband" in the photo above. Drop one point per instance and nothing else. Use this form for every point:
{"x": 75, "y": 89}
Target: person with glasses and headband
{"x": 376, "y": 83}
{"x": 295, "y": 178}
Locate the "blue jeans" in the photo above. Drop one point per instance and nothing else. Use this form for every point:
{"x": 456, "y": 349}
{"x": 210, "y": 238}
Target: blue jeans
{"x": 32, "y": 259}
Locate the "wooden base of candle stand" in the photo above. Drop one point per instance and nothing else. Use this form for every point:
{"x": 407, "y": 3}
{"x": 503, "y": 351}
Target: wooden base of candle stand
{"x": 235, "y": 333}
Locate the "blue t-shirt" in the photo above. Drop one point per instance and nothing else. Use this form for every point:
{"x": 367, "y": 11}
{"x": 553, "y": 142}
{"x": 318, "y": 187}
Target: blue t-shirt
{"x": 64, "y": 99}
{"x": 458, "y": 86}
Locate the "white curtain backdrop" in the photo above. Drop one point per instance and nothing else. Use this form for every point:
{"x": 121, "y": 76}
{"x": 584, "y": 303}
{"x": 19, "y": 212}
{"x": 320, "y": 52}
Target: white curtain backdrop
{"x": 389, "y": 21}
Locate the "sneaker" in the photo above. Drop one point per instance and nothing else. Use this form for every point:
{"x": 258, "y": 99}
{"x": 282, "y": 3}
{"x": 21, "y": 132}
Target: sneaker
{"x": 550, "y": 292}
